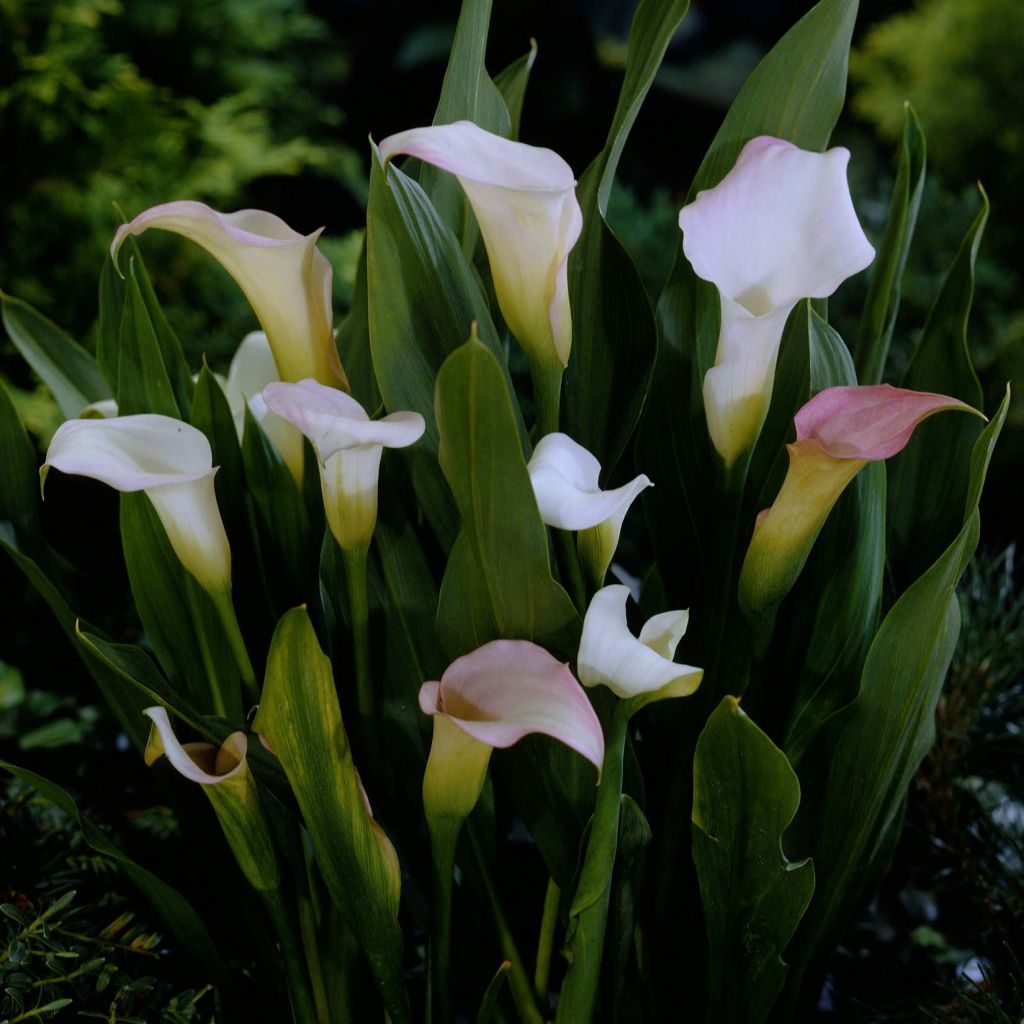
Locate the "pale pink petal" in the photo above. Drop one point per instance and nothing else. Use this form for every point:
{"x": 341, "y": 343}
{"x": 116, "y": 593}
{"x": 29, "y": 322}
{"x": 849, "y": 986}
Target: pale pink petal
{"x": 204, "y": 763}
{"x": 871, "y": 422}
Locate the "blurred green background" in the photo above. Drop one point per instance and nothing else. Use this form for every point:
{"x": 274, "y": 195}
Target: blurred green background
{"x": 269, "y": 103}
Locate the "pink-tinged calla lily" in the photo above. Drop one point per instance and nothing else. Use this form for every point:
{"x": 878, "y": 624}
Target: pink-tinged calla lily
{"x": 223, "y": 772}
{"x": 838, "y": 432}
{"x": 252, "y": 369}
{"x": 173, "y": 463}
{"x": 493, "y": 697}
{"x": 286, "y": 279}
{"x": 641, "y": 669}
{"x": 778, "y": 228}
{"x": 348, "y": 447}
{"x": 524, "y": 200}
{"x": 565, "y": 478}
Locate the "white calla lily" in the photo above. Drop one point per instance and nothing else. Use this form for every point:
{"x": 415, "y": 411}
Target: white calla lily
{"x": 778, "y": 228}
{"x": 348, "y": 447}
{"x": 524, "y": 200}
{"x": 286, "y": 279}
{"x": 640, "y": 669}
{"x": 252, "y": 369}
{"x": 565, "y": 478}
{"x": 172, "y": 462}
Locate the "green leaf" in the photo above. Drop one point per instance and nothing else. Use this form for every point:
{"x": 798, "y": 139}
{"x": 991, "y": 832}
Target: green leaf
{"x": 211, "y": 414}
{"x": 467, "y": 94}
{"x": 143, "y": 383}
{"x": 300, "y": 717}
{"x": 927, "y": 493}
{"x": 744, "y": 796}
{"x": 489, "y": 1003}
{"x": 856, "y": 773}
{"x": 423, "y": 300}
{"x": 19, "y": 479}
{"x": 614, "y": 338}
{"x": 512, "y": 83}
{"x": 174, "y": 910}
{"x": 878, "y": 317}
{"x": 354, "y": 342}
{"x": 498, "y": 582}
{"x": 62, "y": 364}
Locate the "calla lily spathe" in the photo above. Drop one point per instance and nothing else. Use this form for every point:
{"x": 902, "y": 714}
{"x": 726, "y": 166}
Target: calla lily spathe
{"x": 565, "y": 478}
{"x": 286, "y": 279}
{"x": 493, "y": 697}
{"x": 224, "y": 774}
{"x": 778, "y": 228}
{"x": 838, "y": 432}
{"x": 252, "y": 369}
{"x": 348, "y": 447}
{"x": 524, "y": 200}
{"x": 172, "y": 462}
{"x": 639, "y": 669}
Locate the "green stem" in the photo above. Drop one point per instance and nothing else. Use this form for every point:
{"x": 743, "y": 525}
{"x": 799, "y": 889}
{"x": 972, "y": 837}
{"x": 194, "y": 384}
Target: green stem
{"x": 546, "y": 940}
{"x": 566, "y": 541}
{"x": 296, "y": 976}
{"x": 593, "y": 892}
{"x": 224, "y": 705}
{"x": 547, "y": 396}
{"x": 229, "y": 620}
{"x": 519, "y": 980}
{"x": 444, "y": 835}
{"x": 307, "y": 928}
{"x": 359, "y": 609}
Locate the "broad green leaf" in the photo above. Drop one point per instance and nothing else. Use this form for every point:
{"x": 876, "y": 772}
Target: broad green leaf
{"x": 19, "y": 479}
{"x": 143, "y": 382}
{"x": 211, "y": 414}
{"x": 744, "y": 797}
{"x": 498, "y": 582}
{"x": 126, "y": 705}
{"x": 423, "y": 300}
{"x": 284, "y": 536}
{"x": 856, "y": 773}
{"x": 62, "y": 364}
{"x": 300, "y": 718}
{"x": 354, "y": 342}
{"x": 614, "y": 337}
{"x": 467, "y": 94}
{"x": 171, "y": 907}
{"x": 512, "y": 83}
{"x": 878, "y": 318}
{"x": 179, "y": 617}
{"x": 928, "y": 480}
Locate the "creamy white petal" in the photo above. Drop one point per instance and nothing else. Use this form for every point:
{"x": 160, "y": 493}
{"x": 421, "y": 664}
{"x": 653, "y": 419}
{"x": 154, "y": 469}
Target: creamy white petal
{"x": 204, "y": 763}
{"x": 524, "y": 200}
{"x": 286, "y": 279}
{"x": 565, "y": 482}
{"x": 104, "y": 409}
{"x": 610, "y": 654}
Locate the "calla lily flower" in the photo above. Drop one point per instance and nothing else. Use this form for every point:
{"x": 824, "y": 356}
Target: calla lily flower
{"x": 172, "y": 462}
{"x": 565, "y": 482}
{"x": 348, "y": 447}
{"x": 838, "y": 432}
{"x": 524, "y": 200}
{"x": 493, "y": 697}
{"x": 223, "y": 772}
{"x": 778, "y": 228}
{"x": 639, "y": 669}
{"x": 286, "y": 279}
{"x": 104, "y": 409}
{"x": 252, "y": 369}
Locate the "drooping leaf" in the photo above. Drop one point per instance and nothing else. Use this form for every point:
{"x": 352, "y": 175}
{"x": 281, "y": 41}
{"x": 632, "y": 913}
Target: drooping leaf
{"x": 62, "y": 364}
{"x": 745, "y": 795}
{"x": 856, "y": 773}
{"x": 928, "y": 480}
{"x": 878, "y": 318}
{"x": 300, "y": 717}
{"x": 498, "y": 582}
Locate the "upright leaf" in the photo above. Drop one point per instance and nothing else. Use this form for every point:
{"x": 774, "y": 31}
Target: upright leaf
{"x": 300, "y": 718}
{"x": 744, "y": 796}
{"x": 512, "y": 83}
{"x": 498, "y": 582}
{"x": 62, "y": 364}
{"x": 19, "y": 479}
{"x": 878, "y": 318}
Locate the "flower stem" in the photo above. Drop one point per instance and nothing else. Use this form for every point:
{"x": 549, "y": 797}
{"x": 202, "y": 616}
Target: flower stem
{"x": 547, "y": 397}
{"x": 444, "y": 835}
{"x": 296, "y": 976}
{"x": 229, "y": 620}
{"x": 593, "y": 892}
{"x": 546, "y": 940}
{"x": 359, "y": 609}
